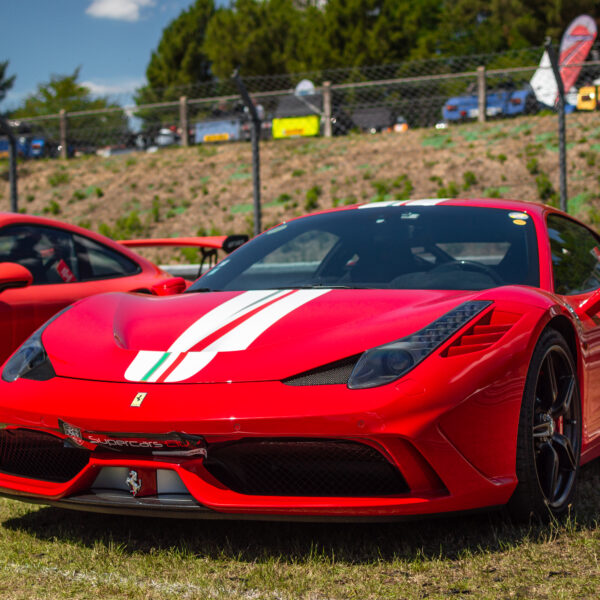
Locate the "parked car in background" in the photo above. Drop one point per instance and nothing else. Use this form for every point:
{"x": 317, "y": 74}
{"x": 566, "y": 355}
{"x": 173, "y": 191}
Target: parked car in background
{"x": 302, "y": 116}
{"x": 505, "y": 101}
{"x": 374, "y": 119}
{"x": 587, "y": 96}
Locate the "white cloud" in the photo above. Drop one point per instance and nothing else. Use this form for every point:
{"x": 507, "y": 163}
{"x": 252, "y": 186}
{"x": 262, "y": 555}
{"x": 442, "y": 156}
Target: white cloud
{"x": 120, "y": 10}
{"x": 113, "y": 88}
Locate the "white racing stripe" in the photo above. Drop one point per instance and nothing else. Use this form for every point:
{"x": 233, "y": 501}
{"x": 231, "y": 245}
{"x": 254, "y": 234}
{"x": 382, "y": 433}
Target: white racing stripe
{"x": 221, "y": 315}
{"x": 192, "y": 363}
{"x": 240, "y": 337}
{"x": 244, "y": 334}
{"x": 150, "y": 366}
{"x": 424, "y": 202}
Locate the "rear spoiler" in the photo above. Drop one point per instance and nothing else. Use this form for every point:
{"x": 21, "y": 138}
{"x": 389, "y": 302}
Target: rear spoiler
{"x": 208, "y": 246}
{"x": 228, "y": 243}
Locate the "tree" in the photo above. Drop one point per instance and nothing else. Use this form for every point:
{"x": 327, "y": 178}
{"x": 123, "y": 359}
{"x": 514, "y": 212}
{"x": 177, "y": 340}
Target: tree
{"x": 254, "y": 35}
{"x": 64, "y": 92}
{"x": 481, "y": 26}
{"x": 6, "y": 83}
{"x": 180, "y": 60}
{"x": 178, "y": 67}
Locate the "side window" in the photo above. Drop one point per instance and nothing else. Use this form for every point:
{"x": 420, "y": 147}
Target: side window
{"x": 575, "y": 256}
{"x": 47, "y": 252}
{"x": 97, "y": 261}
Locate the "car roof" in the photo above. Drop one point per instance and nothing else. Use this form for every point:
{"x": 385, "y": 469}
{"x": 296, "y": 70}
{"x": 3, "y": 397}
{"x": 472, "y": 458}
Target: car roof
{"x": 516, "y": 205}
{"x": 9, "y": 218}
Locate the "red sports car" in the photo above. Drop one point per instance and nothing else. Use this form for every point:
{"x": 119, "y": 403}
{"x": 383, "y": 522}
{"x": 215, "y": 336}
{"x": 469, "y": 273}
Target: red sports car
{"x": 385, "y": 360}
{"x": 46, "y": 265}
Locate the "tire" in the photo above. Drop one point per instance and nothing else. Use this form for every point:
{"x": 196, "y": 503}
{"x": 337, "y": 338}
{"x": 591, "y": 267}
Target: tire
{"x": 549, "y": 434}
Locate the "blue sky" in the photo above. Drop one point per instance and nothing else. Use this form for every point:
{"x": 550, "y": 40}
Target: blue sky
{"x": 111, "y": 40}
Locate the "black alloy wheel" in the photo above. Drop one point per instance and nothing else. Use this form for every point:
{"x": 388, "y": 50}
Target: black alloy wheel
{"x": 549, "y": 437}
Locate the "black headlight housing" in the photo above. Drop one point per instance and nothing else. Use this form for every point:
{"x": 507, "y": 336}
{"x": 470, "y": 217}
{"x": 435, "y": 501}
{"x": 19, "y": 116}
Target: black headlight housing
{"x": 31, "y": 361}
{"x": 387, "y": 363}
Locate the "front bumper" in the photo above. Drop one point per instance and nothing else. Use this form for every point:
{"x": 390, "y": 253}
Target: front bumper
{"x": 451, "y": 439}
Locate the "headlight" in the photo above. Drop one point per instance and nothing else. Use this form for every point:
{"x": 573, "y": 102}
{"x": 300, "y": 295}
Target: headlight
{"x": 30, "y": 361}
{"x": 385, "y": 364}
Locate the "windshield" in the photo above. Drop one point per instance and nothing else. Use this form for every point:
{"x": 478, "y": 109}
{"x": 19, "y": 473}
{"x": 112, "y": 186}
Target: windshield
{"x": 381, "y": 247}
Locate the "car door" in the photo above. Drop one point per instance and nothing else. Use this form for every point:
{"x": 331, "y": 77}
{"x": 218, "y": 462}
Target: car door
{"x": 576, "y": 275}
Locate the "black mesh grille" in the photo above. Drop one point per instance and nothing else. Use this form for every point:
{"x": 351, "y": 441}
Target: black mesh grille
{"x": 39, "y": 456}
{"x": 337, "y": 372}
{"x": 304, "y": 468}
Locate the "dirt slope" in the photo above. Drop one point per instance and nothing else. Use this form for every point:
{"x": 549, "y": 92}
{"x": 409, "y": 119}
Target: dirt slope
{"x": 183, "y": 191}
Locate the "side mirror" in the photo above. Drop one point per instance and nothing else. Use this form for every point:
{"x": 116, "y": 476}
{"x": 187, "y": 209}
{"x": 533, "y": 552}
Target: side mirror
{"x": 168, "y": 287}
{"x": 591, "y": 305}
{"x": 14, "y": 275}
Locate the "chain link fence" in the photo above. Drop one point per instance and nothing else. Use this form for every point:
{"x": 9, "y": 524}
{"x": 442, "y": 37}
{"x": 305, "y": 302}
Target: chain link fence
{"x": 336, "y": 102}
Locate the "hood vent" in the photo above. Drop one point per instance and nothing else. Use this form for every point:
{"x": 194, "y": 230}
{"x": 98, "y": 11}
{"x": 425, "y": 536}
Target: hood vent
{"x": 483, "y": 334}
{"x": 334, "y": 373}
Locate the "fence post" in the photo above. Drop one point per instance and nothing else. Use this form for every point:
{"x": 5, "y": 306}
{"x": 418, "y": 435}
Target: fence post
{"x": 63, "y": 133}
{"x": 327, "y": 108}
{"x": 183, "y": 121}
{"x": 562, "y": 144}
{"x": 481, "y": 95}
{"x": 255, "y": 133}
{"x": 12, "y": 162}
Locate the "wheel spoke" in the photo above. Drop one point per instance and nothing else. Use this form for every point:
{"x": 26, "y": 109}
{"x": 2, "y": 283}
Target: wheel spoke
{"x": 542, "y": 430}
{"x": 562, "y": 404}
{"x": 564, "y": 450}
{"x": 551, "y": 375}
{"x": 547, "y": 467}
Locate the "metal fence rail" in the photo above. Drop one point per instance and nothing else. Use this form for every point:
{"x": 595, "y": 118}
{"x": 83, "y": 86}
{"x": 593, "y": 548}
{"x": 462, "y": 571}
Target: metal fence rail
{"x": 355, "y": 99}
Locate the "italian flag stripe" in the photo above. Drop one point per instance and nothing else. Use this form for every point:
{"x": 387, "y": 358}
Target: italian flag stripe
{"x": 160, "y": 361}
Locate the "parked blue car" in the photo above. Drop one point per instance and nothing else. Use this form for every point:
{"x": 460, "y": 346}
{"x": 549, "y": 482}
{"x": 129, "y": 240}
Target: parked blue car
{"x": 505, "y": 101}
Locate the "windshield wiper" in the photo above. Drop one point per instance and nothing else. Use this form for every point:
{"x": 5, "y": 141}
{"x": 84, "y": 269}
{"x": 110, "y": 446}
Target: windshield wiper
{"x": 320, "y": 286}
{"x": 199, "y": 290}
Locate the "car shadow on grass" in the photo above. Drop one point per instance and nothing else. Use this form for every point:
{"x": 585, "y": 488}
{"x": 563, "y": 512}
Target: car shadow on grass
{"x": 356, "y": 543}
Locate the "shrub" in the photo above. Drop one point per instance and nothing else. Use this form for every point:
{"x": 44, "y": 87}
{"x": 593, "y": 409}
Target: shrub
{"x": 58, "y": 178}
{"x": 469, "y": 180}
{"x": 52, "y": 208}
{"x": 312, "y": 197}
{"x": 545, "y": 189}
{"x": 533, "y": 166}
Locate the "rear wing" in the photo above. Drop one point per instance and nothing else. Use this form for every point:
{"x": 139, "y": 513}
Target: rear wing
{"x": 208, "y": 246}
{"x": 228, "y": 243}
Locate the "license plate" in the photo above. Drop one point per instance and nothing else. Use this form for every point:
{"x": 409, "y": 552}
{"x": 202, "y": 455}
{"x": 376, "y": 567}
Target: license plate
{"x": 216, "y": 137}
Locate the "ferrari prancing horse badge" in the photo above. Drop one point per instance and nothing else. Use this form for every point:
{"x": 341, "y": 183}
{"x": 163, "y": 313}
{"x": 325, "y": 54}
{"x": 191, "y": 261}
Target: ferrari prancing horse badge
{"x": 139, "y": 398}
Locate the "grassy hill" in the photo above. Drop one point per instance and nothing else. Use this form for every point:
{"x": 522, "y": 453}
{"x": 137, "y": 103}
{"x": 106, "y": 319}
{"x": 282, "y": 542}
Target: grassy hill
{"x": 208, "y": 189}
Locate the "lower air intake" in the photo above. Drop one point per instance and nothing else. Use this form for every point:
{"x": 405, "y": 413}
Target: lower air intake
{"x": 304, "y": 468}
{"x": 38, "y": 455}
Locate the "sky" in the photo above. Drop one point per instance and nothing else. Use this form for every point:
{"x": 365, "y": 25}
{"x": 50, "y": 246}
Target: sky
{"x": 110, "y": 40}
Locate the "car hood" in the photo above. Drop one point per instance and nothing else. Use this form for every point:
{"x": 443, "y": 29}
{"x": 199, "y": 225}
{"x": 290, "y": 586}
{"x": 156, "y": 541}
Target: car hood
{"x": 233, "y": 336}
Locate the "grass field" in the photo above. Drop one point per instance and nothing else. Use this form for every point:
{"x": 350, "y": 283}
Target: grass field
{"x": 50, "y": 553}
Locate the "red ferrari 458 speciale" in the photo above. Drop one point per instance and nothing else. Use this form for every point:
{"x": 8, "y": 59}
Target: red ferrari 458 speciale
{"x": 385, "y": 360}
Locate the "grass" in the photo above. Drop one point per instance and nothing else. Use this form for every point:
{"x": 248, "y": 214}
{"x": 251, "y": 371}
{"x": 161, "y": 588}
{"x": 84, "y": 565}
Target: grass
{"x": 49, "y": 553}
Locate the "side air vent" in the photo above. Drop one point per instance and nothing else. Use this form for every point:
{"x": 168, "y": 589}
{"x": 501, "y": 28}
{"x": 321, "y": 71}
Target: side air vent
{"x": 333, "y": 373}
{"x": 486, "y": 332}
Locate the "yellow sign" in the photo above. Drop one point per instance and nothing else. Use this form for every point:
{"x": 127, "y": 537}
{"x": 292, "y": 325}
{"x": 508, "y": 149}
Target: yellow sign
{"x": 216, "y": 137}
{"x": 587, "y": 98}
{"x": 296, "y": 127}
